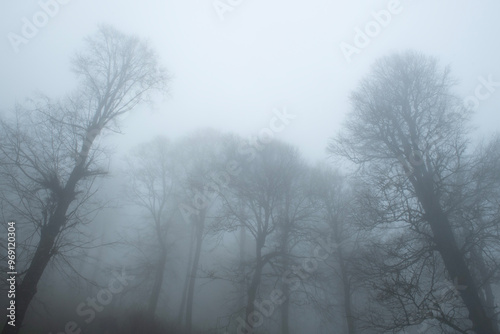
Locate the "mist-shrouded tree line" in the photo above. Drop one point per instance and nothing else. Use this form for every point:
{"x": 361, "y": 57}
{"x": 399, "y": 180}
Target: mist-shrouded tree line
{"x": 397, "y": 232}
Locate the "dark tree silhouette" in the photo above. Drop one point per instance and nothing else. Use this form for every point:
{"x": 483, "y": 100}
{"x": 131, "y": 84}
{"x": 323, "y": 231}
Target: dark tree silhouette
{"x": 153, "y": 187}
{"x": 50, "y": 154}
{"x": 255, "y": 199}
{"x": 408, "y": 132}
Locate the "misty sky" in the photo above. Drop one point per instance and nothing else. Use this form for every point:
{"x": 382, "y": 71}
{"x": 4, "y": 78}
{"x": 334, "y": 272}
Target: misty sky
{"x": 231, "y": 74}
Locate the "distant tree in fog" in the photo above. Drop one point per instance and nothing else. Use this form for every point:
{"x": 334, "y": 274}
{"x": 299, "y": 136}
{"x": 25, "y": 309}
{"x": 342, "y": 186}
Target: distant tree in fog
{"x": 153, "y": 186}
{"x": 201, "y": 155}
{"x": 256, "y": 200}
{"x": 334, "y": 212}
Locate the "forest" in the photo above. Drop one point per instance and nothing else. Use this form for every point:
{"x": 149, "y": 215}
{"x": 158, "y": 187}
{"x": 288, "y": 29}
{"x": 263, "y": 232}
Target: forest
{"x": 396, "y": 231}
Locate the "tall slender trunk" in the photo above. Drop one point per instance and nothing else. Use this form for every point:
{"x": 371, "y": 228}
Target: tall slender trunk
{"x": 453, "y": 258}
{"x": 488, "y": 297}
{"x": 243, "y": 285}
{"x": 490, "y": 306}
{"x": 182, "y": 308}
{"x": 338, "y": 227}
{"x": 158, "y": 282}
{"x": 254, "y": 284}
{"x": 285, "y": 310}
{"x": 192, "y": 279}
{"x": 489, "y": 302}
{"x": 285, "y": 240}
{"x": 252, "y": 293}
{"x": 346, "y": 287}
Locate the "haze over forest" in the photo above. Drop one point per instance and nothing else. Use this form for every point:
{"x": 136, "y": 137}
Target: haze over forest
{"x": 232, "y": 166}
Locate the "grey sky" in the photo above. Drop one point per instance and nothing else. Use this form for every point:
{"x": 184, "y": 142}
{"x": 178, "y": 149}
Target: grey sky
{"x": 230, "y": 74}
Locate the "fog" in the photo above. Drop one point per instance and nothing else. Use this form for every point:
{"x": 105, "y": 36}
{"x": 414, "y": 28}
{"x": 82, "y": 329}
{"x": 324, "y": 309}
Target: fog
{"x": 232, "y": 166}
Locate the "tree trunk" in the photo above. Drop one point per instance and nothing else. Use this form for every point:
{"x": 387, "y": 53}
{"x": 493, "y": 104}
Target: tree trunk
{"x": 192, "y": 278}
{"x": 254, "y": 286}
{"x": 336, "y": 224}
{"x": 44, "y": 252}
{"x": 182, "y": 308}
{"x": 489, "y": 297}
{"x": 285, "y": 311}
{"x": 252, "y": 294}
{"x": 158, "y": 282}
{"x": 243, "y": 286}
{"x": 452, "y": 257}
{"x": 346, "y": 287}
{"x": 285, "y": 307}
{"x": 45, "y": 249}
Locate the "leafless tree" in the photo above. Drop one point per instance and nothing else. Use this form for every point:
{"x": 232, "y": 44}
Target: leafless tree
{"x": 408, "y": 133}
{"x": 50, "y": 153}
{"x": 295, "y": 212}
{"x": 201, "y": 156}
{"x": 255, "y": 199}
{"x": 334, "y": 208}
{"x": 153, "y": 186}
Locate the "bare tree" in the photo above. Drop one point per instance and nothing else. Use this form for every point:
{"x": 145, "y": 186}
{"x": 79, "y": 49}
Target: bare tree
{"x": 153, "y": 187}
{"x": 202, "y": 154}
{"x": 50, "y": 154}
{"x": 294, "y": 213}
{"x": 408, "y": 132}
{"x": 478, "y": 217}
{"x": 333, "y": 203}
{"x": 255, "y": 200}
